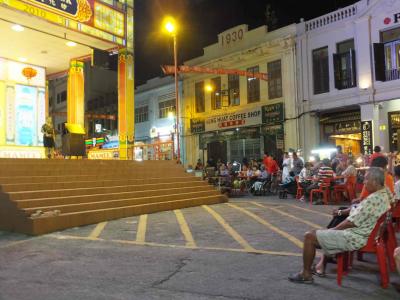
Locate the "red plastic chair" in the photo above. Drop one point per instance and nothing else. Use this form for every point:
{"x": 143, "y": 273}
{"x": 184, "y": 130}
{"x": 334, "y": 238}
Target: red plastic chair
{"x": 322, "y": 189}
{"x": 396, "y": 215}
{"x": 349, "y": 188}
{"x": 300, "y": 190}
{"x": 375, "y": 244}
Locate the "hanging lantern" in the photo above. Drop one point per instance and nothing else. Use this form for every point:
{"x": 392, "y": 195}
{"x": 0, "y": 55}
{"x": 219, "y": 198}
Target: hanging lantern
{"x": 29, "y": 72}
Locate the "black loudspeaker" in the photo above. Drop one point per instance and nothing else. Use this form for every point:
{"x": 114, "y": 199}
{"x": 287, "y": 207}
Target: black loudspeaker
{"x": 101, "y": 59}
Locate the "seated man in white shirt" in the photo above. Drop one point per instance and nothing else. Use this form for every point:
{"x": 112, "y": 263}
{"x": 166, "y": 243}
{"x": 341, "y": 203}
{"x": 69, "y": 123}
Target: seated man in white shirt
{"x": 351, "y": 234}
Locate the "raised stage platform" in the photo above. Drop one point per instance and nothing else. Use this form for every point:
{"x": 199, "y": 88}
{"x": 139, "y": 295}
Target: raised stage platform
{"x": 42, "y": 196}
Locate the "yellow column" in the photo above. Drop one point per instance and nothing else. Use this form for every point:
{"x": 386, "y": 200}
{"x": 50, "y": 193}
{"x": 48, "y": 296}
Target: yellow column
{"x": 126, "y": 113}
{"x": 2, "y": 113}
{"x": 76, "y": 94}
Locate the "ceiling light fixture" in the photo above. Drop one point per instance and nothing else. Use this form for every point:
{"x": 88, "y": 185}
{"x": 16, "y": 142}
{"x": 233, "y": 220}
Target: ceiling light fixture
{"x": 17, "y": 27}
{"x": 22, "y": 59}
{"x": 71, "y": 44}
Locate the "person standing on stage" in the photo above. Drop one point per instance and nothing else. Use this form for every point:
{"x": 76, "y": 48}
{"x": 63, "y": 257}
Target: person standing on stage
{"x": 48, "y": 137}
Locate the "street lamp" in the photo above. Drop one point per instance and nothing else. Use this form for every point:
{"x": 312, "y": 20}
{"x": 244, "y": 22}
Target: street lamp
{"x": 170, "y": 27}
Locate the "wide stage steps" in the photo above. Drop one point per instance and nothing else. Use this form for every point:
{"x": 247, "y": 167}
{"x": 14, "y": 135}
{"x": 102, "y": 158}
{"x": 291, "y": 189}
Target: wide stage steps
{"x": 42, "y": 196}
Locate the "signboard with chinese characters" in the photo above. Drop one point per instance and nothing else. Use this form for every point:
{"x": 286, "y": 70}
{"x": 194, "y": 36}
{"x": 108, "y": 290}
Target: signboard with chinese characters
{"x": 366, "y": 137}
{"x": 236, "y": 119}
{"x": 197, "y": 125}
{"x": 272, "y": 114}
{"x": 91, "y": 17}
{"x": 77, "y": 10}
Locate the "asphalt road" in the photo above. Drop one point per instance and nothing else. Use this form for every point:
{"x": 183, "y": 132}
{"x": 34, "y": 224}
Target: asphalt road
{"x": 241, "y": 250}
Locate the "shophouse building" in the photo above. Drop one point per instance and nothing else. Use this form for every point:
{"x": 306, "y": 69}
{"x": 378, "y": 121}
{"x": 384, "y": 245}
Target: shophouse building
{"x": 232, "y": 117}
{"x": 349, "y": 78}
{"x": 155, "y": 110}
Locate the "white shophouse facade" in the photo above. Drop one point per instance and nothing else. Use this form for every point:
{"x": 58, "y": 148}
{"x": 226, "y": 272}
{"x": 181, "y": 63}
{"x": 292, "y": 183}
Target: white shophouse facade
{"x": 240, "y": 117}
{"x": 155, "y": 116}
{"x": 349, "y": 78}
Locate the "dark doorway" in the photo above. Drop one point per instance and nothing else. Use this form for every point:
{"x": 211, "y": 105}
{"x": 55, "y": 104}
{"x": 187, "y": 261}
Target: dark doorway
{"x": 270, "y": 144}
{"x": 217, "y": 150}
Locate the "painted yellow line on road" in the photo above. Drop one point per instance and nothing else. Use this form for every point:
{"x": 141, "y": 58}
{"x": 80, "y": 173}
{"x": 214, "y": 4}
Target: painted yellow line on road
{"x": 141, "y": 231}
{"x": 236, "y": 236}
{"x": 185, "y": 229}
{"x": 316, "y": 226}
{"x": 290, "y": 237}
{"x": 21, "y": 242}
{"x": 97, "y": 230}
{"x": 151, "y": 244}
{"x": 310, "y": 210}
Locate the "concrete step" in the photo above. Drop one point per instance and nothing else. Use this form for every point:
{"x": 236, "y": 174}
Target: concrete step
{"x": 85, "y": 177}
{"x": 97, "y": 190}
{"x": 84, "y": 206}
{"x": 13, "y": 187}
{"x": 41, "y": 202}
{"x": 87, "y": 192}
{"x": 120, "y": 172}
{"x": 69, "y": 220}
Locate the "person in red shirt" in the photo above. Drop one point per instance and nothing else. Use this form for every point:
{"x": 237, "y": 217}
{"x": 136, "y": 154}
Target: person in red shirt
{"x": 266, "y": 160}
{"x": 377, "y": 153}
{"x": 273, "y": 167}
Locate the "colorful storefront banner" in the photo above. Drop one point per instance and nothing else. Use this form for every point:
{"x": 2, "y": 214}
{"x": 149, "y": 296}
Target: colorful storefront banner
{"x": 168, "y": 69}
{"x": 25, "y": 115}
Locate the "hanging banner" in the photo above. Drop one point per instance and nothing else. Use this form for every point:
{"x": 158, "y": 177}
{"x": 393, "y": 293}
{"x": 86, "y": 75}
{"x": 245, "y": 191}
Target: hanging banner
{"x": 168, "y": 70}
{"x": 366, "y": 137}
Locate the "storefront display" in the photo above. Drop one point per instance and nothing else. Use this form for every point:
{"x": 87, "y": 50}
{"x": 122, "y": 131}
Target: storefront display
{"x": 342, "y": 129}
{"x": 22, "y": 107}
{"x": 394, "y": 130}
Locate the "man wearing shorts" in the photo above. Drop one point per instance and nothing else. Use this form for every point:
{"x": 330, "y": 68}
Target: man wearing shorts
{"x": 353, "y": 233}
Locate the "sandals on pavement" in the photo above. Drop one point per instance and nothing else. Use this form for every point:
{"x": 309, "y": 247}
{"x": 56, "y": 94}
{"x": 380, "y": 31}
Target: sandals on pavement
{"x": 299, "y": 278}
{"x": 317, "y": 273}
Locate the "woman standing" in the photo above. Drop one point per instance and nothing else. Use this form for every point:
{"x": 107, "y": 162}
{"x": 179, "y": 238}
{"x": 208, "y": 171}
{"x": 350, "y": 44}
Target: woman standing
{"x": 286, "y": 165}
{"x": 48, "y": 137}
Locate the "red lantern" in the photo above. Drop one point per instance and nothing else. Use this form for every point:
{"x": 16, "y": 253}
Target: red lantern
{"x": 29, "y": 72}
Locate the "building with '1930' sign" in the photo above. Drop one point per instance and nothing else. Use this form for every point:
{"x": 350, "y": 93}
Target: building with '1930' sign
{"x": 232, "y": 115}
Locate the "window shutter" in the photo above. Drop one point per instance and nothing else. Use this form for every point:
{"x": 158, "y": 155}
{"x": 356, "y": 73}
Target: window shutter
{"x": 337, "y": 70}
{"x": 379, "y": 57}
{"x": 353, "y": 67}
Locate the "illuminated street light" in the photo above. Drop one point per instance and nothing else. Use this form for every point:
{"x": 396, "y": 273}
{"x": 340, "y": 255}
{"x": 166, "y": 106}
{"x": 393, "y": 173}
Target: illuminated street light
{"x": 170, "y": 27}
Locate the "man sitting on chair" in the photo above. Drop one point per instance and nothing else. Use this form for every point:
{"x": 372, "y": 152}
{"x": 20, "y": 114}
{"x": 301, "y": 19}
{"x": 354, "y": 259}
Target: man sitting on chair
{"x": 352, "y": 234}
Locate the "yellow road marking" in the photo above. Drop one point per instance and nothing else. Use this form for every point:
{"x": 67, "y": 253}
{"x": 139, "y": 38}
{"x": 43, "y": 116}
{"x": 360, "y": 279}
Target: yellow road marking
{"x": 185, "y": 229}
{"x": 150, "y": 244}
{"x": 246, "y": 246}
{"x": 98, "y": 230}
{"x": 309, "y": 210}
{"x": 291, "y": 238}
{"x": 20, "y": 242}
{"x": 289, "y": 215}
{"x": 141, "y": 231}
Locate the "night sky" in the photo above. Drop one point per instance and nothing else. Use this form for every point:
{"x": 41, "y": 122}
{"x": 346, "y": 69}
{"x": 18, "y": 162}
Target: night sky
{"x": 202, "y": 20}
